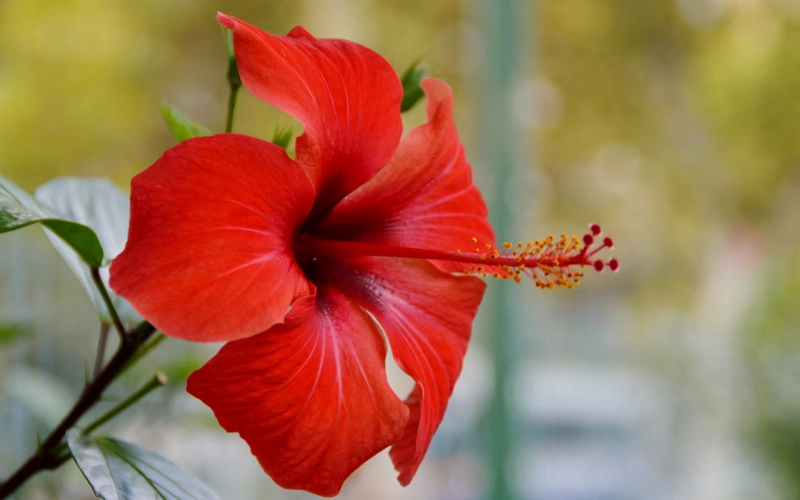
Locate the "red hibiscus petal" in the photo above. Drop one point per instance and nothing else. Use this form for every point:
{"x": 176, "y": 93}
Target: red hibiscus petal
{"x": 424, "y": 197}
{"x": 404, "y": 451}
{"x": 310, "y": 396}
{"x": 347, "y": 97}
{"x": 427, "y": 316}
{"x": 209, "y": 252}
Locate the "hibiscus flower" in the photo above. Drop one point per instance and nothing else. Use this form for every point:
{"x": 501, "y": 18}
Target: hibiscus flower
{"x": 307, "y": 267}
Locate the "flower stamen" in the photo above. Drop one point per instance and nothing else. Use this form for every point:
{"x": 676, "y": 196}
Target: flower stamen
{"x": 549, "y": 263}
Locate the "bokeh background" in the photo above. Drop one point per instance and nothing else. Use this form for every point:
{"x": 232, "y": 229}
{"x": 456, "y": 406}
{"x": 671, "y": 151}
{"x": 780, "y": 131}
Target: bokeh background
{"x": 674, "y": 123}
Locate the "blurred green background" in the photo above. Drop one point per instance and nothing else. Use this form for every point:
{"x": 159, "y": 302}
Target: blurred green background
{"x": 673, "y": 123}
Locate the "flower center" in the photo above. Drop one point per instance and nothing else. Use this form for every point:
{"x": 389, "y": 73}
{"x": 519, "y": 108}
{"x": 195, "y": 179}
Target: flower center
{"x": 549, "y": 262}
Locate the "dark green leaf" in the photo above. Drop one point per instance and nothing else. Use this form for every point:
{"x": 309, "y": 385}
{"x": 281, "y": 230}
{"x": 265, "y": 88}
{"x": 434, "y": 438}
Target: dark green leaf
{"x": 412, "y": 91}
{"x": 19, "y": 209}
{"x": 117, "y": 470}
{"x": 181, "y": 126}
{"x": 81, "y": 238}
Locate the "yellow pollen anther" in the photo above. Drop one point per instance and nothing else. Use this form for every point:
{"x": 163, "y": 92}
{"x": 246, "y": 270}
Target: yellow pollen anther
{"x": 549, "y": 263}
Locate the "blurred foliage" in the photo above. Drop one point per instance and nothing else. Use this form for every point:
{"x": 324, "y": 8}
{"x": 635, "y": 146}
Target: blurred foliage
{"x": 87, "y": 76}
{"x": 10, "y": 331}
{"x": 772, "y": 344}
{"x": 671, "y": 119}
{"x": 677, "y": 122}
{"x": 779, "y": 441}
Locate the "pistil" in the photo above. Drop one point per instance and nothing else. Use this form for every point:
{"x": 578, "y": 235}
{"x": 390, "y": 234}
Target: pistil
{"x": 549, "y": 262}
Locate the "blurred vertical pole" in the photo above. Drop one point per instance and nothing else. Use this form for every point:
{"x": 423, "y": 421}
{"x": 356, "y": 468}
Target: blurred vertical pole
{"x": 502, "y": 26}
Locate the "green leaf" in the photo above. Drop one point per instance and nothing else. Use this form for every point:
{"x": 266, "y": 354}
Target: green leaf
{"x": 19, "y": 209}
{"x": 98, "y": 204}
{"x": 181, "y": 126}
{"x": 412, "y": 91}
{"x": 117, "y": 470}
{"x": 282, "y": 136}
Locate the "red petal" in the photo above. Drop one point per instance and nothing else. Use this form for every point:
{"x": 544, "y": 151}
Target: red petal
{"x": 427, "y": 317}
{"x": 347, "y": 96}
{"x": 209, "y": 246}
{"x": 310, "y": 396}
{"x": 424, "y": 197}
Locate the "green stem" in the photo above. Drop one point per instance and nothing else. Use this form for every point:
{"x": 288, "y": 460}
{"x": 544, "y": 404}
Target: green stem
{"x": 50, "y": 453}
{"x": 112, "y": 311}
{"x": 101, "y": 348}
{"x": 144, "y": 350}
{"x": 234, "y": 80}
{"x": 157, "y": 381}
{"x": 231, "y": 107}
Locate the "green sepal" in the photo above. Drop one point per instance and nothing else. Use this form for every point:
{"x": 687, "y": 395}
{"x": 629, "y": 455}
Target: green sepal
{"x": 234, "y": 79}
{"x": 181, "y": 126}
{"x": 282, "y": 136}
{"x": 412, "y": 89}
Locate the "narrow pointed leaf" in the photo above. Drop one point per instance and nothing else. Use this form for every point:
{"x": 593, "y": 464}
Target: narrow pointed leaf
{"x": 181, "y": 126}
{"x": 117, "y": 470}
{"x": 412, "y": 88}
{"x": 101, "y": 206}
{"x": 19, "y": 209}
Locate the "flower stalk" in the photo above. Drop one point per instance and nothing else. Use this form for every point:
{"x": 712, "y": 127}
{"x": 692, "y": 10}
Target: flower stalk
{"x": 234, "y": 81}
{"x": 102, "y": 340}
{"x": 50, "y": 453}
{"x": 158, "y": 380}
{"x": 112, "y": 311}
